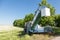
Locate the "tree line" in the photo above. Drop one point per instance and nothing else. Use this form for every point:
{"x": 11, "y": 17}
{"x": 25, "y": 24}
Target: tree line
{"x": 21, "y": 22}
{"x": 53, "y": 20}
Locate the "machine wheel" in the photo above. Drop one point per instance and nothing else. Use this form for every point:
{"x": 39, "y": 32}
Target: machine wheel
{"x": 25, "y": 31}
{"x": 30, "y": 33}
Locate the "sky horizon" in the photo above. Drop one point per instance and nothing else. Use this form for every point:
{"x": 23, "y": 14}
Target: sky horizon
{"x": 17, "y": 9}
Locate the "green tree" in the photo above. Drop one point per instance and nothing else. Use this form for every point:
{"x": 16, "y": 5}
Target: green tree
{"x": 51, "y": 21}
{"x": 15, "y": 23}
{"x": 28, "y": 17}
{"x": 44, "y": 2}
{"x": 47, "y": 21}
{"x": 57, "y": 20}
{"x": 19, "y": 23}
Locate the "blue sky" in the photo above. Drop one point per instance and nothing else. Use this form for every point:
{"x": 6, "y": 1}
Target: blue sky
{"x": 17, "y": 9}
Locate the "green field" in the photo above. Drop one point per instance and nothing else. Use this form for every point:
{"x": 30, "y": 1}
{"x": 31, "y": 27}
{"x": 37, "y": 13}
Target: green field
{"x": 18, "y": 35}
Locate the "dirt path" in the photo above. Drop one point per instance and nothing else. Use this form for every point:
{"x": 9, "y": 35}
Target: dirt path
{"x": 40, "y": 37}
{"x": 56, "y": 38}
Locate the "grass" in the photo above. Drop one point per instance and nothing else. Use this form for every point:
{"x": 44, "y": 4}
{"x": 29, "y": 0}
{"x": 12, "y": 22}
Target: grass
{"x": 18, "y": 35}
{"x": 11, "y": 35}
{"x": 56, "y": 31}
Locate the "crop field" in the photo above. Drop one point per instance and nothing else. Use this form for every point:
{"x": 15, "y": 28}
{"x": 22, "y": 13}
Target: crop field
{"x": 17, "y": 34}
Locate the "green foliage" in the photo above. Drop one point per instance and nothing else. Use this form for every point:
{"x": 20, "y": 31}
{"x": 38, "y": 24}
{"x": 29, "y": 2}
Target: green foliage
{"x": 52, "y": 10}
{"x": 50, "y": 20}
{"x": 44, "y": 2}
{"x": 28, "y": 17}
{"x": 43, "y": 21}
{"x": 57, "y": 20}
{"x": 56, "y": 30}
{"x": 19, "y": 23}
{"x": 15, "y": 23}
{"x": 47, "y": 21}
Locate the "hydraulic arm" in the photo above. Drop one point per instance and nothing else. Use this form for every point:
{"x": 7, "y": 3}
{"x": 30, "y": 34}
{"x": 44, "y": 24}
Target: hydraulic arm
{"x": 36, "y": 19}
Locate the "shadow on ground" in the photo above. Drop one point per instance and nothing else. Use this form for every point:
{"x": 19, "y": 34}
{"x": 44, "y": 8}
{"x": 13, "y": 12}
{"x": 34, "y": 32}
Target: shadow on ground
{"x": 21, "y": 33}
